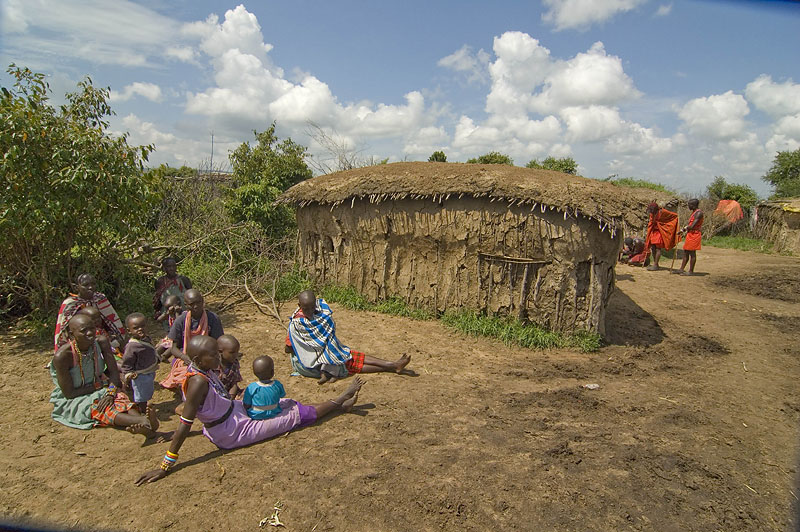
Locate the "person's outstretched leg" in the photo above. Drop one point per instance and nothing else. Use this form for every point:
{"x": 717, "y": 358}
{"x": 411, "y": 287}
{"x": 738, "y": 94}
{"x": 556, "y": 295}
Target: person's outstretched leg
{"x": 344, "y": 402}
{"x": 378, "y": 365}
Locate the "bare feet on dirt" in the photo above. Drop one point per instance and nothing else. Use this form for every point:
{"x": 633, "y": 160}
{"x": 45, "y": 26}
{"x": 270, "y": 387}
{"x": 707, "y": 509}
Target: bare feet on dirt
{"x": 401, "y": 363}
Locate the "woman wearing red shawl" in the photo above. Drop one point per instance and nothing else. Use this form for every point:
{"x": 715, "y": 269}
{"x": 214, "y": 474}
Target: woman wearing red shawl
{"x": 662, "y": 232}
{"x": 88, "y": 296}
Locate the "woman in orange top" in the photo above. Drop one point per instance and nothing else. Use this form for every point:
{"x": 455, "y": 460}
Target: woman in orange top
{"x": 692, "y": 243}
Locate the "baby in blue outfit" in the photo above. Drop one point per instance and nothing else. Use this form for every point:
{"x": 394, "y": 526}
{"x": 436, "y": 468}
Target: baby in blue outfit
{"x": 261, "y": 397}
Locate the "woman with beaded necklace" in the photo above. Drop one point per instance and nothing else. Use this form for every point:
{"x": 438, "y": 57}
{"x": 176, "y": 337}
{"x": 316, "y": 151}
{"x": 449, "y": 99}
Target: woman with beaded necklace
{"x": 225, "y": 420}
{"x": 87, "y": 385}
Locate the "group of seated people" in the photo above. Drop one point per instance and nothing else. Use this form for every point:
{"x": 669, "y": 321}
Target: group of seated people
{"x": 104, "y": 371}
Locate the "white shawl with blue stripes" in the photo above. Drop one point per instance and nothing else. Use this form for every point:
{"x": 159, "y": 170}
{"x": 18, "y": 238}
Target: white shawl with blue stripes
{"x": 314, "y": 340}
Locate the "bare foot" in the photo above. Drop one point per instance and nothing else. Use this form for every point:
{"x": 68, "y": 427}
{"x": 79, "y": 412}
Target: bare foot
{"x": 162, "y": 437}
{"x": 351, "y": 391}
{"x": 141, "y": 428}
{"x": 401, "y": 363}
{"x": 347, "y": 405}
{"x": 179, "y": 409}
{"x": 152, "y": 417}
{"x": 324, "y": 377}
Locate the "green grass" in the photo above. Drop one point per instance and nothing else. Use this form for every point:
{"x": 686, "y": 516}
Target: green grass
{"x": 742, "y": 243}
{"x": 470, "y": 322}
{"x": 631, "y": 182}
{"x": 292, "y": 283}
{"x": 512, "y": 331}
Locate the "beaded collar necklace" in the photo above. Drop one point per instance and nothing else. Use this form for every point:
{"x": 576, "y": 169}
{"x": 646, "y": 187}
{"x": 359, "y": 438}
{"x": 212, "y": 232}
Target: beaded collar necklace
{"x": 212, "y": 378}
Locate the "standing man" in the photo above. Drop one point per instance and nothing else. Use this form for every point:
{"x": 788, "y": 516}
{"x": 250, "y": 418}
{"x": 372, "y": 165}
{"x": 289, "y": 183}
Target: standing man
{"x": 693, "y": 236}
{"x": 170, "y": 284}
{"x": 662, "y": 232}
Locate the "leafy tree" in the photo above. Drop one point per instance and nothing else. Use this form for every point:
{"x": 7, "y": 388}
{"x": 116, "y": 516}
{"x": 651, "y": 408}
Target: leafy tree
{"x": 566, "y": 165}
{"x": 720, "y": 189}
{"x": 493, "y": 157}
{"x": 72, "y": 192}
{"x": 785, "y": 174}
{"x": 437, "y": 157}
{"x": 260, "y": 174}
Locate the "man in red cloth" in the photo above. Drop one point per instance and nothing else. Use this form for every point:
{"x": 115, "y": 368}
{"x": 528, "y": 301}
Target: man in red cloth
{"x": 662, "y": 232}
{"x": 693, "y": 236}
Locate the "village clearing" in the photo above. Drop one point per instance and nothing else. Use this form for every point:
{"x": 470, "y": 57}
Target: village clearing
{"x": 694, "y": 426}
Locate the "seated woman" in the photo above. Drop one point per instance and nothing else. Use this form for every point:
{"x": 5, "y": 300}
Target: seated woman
{"x": 225, "y": 421}
{"x": 87, "y": 392}
{"x": 87, "y": 296}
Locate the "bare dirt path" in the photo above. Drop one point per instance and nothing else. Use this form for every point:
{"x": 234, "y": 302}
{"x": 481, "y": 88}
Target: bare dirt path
{"x": 694, "y": 426}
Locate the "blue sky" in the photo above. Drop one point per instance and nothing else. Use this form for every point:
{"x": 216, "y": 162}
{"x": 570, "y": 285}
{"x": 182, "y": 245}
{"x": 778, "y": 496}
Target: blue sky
{"x": 672, "y": 91}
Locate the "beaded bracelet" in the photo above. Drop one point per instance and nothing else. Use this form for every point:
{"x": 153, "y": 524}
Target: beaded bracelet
{"x": 112, "y": 390}
{"x": 186, "y": 421}
{"x": 169, "y": 460}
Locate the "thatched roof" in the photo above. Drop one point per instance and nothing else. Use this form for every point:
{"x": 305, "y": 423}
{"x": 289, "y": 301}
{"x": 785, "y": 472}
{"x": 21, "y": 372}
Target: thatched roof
{"x": 612, "y": 206}
{"x": 785, "y": 204}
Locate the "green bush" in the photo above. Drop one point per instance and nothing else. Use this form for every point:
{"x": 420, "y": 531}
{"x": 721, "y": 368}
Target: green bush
{"x": 631, "y": 182}
{"x": 784, "y": 174}
{"x": 566, "y": 165}
{"x": 720, "y": 189}
{"x": 494, "y": 157}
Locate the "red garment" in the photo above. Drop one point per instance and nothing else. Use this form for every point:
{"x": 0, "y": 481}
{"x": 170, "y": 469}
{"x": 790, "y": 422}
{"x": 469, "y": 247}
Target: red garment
{"x": 662, "y": 230}
{"x": 730, "y": 209}
{"x": 694, "y": 236}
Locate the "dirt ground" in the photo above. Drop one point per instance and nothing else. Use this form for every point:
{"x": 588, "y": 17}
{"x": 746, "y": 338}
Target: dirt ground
{"x": 694, "y": 426}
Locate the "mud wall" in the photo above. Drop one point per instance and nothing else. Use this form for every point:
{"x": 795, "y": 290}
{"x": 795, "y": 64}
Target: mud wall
{"x": 779, "y": 226}
{"x": 554, "y": 270}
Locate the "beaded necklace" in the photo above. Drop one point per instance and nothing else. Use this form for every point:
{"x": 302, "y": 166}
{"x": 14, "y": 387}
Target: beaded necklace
{"x": 212, "y": 378}
{"x": 78, "y": 360}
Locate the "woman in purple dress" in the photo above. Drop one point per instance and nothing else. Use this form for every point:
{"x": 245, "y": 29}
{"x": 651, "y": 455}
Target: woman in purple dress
{"x": 225, "y": 421}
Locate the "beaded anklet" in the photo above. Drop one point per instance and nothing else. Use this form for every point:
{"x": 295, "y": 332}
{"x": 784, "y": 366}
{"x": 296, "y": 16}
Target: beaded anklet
{"x": 186, "y": 421}
{"x": 169, "y": 460}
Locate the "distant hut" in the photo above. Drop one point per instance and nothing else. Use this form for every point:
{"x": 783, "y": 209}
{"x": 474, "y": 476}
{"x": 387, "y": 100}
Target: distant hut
{"x": 779, "y": 222}
{"x": 535, "y": 244}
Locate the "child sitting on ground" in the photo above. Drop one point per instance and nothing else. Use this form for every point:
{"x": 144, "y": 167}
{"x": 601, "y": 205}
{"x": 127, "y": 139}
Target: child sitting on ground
{"x": 139, "y": 363}
{"x": 261, "y": 397}
{"x": 229, "y": 368}
{"x": 172, "y": 309}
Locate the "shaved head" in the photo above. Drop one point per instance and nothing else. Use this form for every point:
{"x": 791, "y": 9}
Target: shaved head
{"x": 229, "y": 342}
{"x": 264, "y": 368}
{"x": 79, "y": 320}
{"x": 306, "y": 297}
{"x": 192, "y": 295}
{"x": 201, "y": 345}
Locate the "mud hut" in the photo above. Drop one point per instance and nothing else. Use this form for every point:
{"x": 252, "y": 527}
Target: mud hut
{"x": 536, "y": 244}
{"x": 779, "y": 222}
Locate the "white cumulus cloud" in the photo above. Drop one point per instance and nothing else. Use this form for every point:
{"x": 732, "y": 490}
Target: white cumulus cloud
{"x": 463, "y": 60}
{"x": 149, "y": 91}
{"x": 775, "y": 99}
{"x": 664, "y": 10}
{"x": 580, "y": 14}
{"x": 720, "y": 116}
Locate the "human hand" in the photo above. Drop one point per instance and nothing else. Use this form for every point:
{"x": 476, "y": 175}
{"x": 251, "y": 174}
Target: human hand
{"x": 151, "y": 476}
{"x": 105, "y": 402}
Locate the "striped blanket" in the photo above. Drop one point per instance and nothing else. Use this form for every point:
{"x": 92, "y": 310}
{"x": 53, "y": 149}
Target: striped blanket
{"x": 73, "y": 304}
{"x": 314, "y": 339}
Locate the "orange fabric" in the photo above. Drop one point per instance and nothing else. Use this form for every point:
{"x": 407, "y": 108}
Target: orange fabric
{"x": 665, "y": 223}
{"x": 693, "y": 237}
{"x": 730, "y": 209}
{"x": 106, "y": 417}
{"x": 355, "y": 364}
{"x": 177, "y": 374}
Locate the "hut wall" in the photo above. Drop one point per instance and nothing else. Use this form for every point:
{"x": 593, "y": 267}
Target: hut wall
{"x": 466, "y": 253}
{"x": 779, "y": 226}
